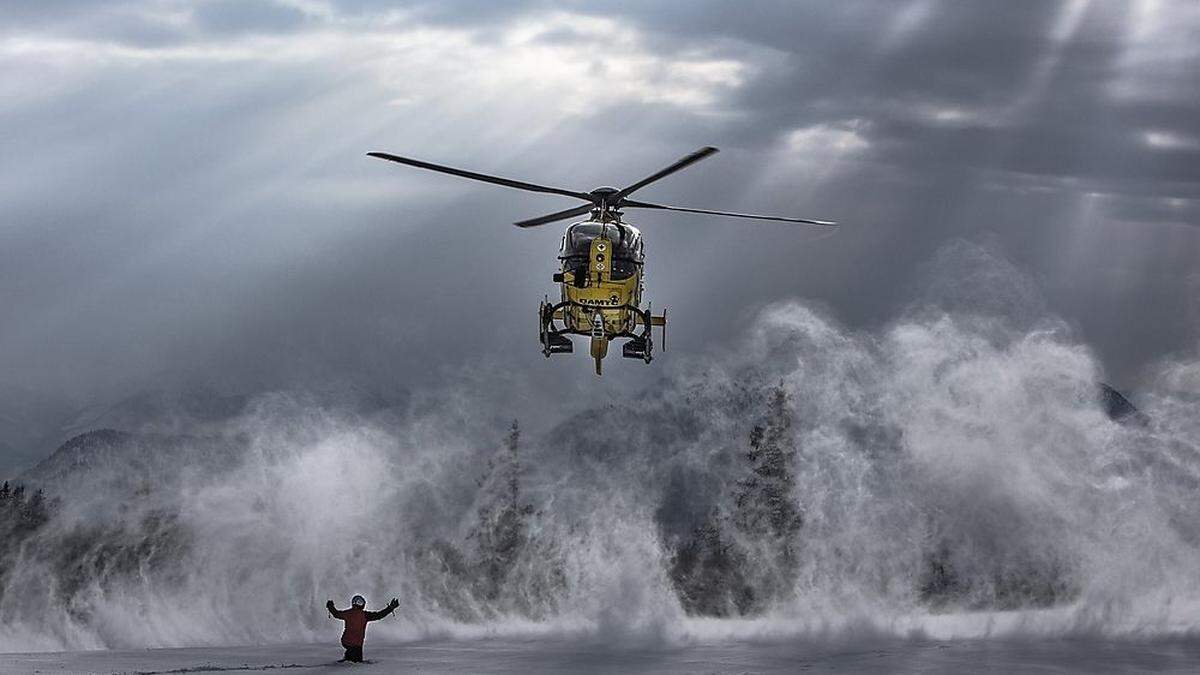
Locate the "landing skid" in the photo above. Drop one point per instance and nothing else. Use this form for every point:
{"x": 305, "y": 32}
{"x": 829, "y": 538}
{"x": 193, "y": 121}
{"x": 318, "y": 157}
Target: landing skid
{"x": 555, "y": 340}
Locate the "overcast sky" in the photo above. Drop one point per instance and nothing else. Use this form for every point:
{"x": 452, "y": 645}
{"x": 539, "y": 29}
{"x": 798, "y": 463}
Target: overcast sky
{"x": 184, "y": 195}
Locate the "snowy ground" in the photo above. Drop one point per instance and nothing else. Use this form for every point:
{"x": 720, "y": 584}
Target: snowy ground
{"x": 560, "y": 656}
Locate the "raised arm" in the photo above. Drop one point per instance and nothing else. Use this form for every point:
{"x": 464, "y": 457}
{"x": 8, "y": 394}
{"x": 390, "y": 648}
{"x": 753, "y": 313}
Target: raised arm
{"x": 375, "y": 616}
{"x": 337, "y": 613}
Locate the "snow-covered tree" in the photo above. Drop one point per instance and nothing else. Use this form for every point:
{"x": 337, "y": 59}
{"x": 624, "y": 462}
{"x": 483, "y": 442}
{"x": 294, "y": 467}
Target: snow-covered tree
{"x": 765, "y": 518}
{"x": 708, "y": 572}
{"x": 764, "y": 509}
{"x": 742, "y": 556}
{"x": 501, "y": 530}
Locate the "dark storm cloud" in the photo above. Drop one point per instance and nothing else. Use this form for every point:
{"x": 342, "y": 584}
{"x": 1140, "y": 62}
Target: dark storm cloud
{"x": 247, "y": 16}
{"x": 1155, "y": 210}
{"x": 184, "y": 196}
{"x": 957, "y": 60}
{"x": 966, "y": 59}
{"x": 124, "y": 23}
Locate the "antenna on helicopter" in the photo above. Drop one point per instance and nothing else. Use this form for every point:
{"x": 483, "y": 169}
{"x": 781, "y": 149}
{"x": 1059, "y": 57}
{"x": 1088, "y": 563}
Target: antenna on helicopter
{"x": 607, "y": 200}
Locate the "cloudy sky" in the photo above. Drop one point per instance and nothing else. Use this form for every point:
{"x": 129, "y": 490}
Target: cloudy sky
{"x": 184, "y": 195}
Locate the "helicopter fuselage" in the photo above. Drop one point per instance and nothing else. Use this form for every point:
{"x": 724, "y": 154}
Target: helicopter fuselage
{"x": 591, "y": 281}
{"x": 601, "y": 284}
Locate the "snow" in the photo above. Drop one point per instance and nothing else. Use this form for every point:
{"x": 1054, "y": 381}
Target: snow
{"x": 566, "y": 656}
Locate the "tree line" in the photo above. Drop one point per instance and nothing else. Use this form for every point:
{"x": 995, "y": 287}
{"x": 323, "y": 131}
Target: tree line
{"x": 740, "y": 557}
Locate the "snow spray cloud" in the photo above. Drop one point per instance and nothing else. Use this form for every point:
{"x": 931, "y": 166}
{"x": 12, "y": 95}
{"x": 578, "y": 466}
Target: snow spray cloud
{"x": 957, "y": 460}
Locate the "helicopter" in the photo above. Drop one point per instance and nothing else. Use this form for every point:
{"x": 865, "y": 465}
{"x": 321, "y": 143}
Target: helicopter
{"x": 601, "y": 262}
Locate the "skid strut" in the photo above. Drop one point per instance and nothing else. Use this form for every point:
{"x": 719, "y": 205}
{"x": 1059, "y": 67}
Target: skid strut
{"x": 640, "y": 344}
{"x": 599, "y": 341}
{"x": 553, "y": 341}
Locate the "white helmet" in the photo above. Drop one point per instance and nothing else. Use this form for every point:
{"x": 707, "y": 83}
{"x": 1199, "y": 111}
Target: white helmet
{"x": 358, "y": 601}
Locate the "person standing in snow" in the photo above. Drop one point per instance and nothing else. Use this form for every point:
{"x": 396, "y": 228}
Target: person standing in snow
{"x": 355, "y": 619}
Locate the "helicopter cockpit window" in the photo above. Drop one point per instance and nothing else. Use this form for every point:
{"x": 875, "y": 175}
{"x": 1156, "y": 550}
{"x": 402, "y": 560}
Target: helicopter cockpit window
{"x": 627, "y": 253}
{"x": 576, "y": 247}
{"x": 579, "y": 239}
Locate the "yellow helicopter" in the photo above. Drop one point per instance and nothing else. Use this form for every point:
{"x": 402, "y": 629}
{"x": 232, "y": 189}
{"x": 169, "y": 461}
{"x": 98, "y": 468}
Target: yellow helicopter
{"x": 601, "y": 263}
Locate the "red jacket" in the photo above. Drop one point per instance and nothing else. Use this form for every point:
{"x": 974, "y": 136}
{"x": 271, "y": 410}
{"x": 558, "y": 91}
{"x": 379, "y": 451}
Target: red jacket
{"x": 356, "y": 619}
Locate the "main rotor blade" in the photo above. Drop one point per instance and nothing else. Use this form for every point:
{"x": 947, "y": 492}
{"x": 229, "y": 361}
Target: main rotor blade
{"x": 647, "y": 205}
{"x": 551, "y": 217}
{"x": 681, "y": 164}
{"x": 507, "y": 182}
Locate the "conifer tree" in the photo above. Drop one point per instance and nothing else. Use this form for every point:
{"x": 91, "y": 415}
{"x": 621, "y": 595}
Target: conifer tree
{"x": 7, "y": 518}
{"x": 765, "y": 516}
{"x": 763, "y": 506}
{"x": 34, "y": 512}
{"x": 502, "y": 525}
{"x": 19, "y": 517}
{"x": 708, "y": 572}
{"x": 742, "y": 556}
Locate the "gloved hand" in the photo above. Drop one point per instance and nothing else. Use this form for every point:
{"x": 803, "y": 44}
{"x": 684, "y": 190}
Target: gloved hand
{"x": 394, "y": 603}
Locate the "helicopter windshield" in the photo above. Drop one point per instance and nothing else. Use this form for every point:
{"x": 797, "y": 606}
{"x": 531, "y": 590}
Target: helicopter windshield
{"x": 627, "y": 247}
{"x": 579, "y": 238}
